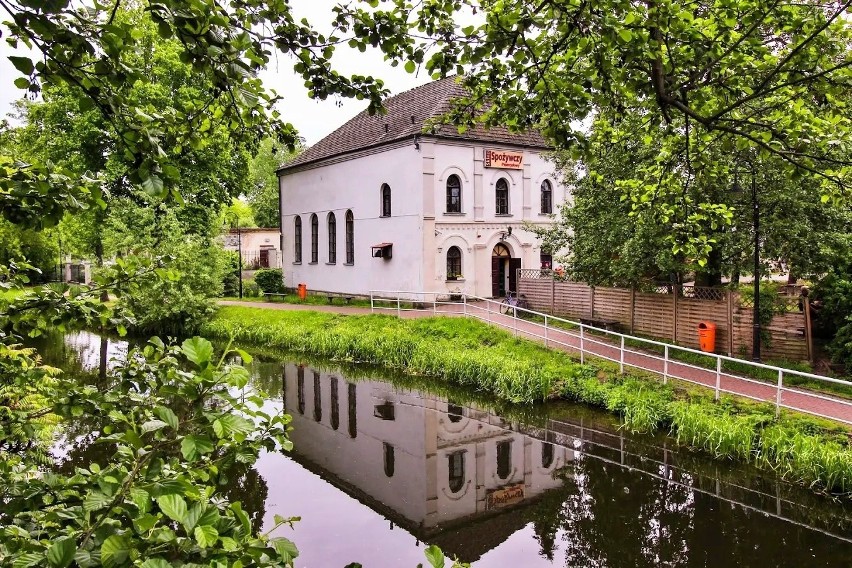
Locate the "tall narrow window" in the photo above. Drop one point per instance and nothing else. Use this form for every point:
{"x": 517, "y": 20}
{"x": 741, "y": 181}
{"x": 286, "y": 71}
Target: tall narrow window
{"x": 386, "y": 200}
{"x": 314, "y": 239}
{"x": 317, "y": 398}
{"x": 546, "y": 197}
{"x": 388, "y": 459}
{"x": 353, "y": 414}
{"x": 335, "y": 404}
{"x": 297, "y": 239}
{"x": 332, "y": 238}
{"x": 453, "y": 194}
{"x": 300, "y": 388}
{"x": 504, "y": 459}
{"x": 350, "y": 238}
{"x": 546, "y": 454}
{"x": 453, "y": 263}
{"x": 455, "y": 465}
{"x": 502, "y": 197}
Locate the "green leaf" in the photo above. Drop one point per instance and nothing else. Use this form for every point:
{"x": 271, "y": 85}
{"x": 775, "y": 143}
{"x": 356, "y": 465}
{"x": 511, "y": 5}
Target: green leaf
{"x": 285, "y": 548}
{"x": 156, "y": 563}
{"x": 22, "y": 83}
{"x": 192, "y": 447}
{"x": 434, "y": 556}
{"x": 96, "y": 500}
{"x": 198, "y": 351}
{"x": 410, "y": 66}
{"x": 206, "y": 536}
{"x": 114, "y": 551}
{"x": 173, "y": 506}
{"x": 153, "y": 426}
{"x": 61, "y": 552}
{"x": 23, "y": 64}
{"x": 27, "y": 559}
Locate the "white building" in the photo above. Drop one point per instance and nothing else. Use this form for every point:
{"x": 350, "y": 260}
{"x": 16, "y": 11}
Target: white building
{"x": 380, "y": 205}
{"x": 259, "y": 247}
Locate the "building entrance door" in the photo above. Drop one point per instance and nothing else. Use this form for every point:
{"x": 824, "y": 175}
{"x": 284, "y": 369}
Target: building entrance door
{"x": 503, "y": 270}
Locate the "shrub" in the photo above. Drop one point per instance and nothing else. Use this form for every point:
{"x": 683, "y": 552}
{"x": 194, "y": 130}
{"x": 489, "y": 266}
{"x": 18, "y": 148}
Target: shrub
{"x": 231, "y": 274}
{"x": 270, "y": 280}
{"x": 251, "y": 289}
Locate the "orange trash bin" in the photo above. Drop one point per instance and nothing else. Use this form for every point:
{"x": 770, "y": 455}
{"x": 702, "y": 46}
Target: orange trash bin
{"x": 303, "y": 291}
{"x": 707, "y": 336}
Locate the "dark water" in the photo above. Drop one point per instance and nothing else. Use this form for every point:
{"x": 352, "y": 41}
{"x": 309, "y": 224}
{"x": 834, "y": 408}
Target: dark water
{"x": 380, "y": 468}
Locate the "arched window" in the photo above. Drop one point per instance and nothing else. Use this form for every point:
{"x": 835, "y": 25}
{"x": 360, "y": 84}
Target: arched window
{"x": 386, "y": 200}
{"x": 332, "y": 238}
{"x": 335, "y": 405}
{"x": 317, "y": 397}
{"x": 300, "y": 388}
{"x": 388, "y": 459}
{"x": 453, "y": 194}
{"x": 546, "y": 197}
{"x": 297, "y": 239}
{"x": 353, "y": 411}
{"x": 504, "y": 459}
{"x": 314, "y": 239}
{"x": 453, "y": 263}
{"x": 502, "y": 197}
{"x": 350, "y": 238}
{"x": 455, "y": 465}
{"x": 546, "y": 454}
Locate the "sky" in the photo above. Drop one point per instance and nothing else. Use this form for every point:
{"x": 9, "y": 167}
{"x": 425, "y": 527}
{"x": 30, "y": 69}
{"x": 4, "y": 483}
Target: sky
{"x": 314, "y": 119}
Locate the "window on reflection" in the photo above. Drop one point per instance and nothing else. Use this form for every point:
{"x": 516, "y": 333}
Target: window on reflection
{"x": 284, "y": 388}
{"x": 454, "y": 412}
{"x": 353, "y": 419}
{"x": 388, "y": 459}
{"x": 546, "y": 454}
{"x": 317, "y": 398}
{"x": 335, "y": 404}
{"x": 300, "y": 388}
{"x": 504, "y": 459}
{"x": 455, "y": 467}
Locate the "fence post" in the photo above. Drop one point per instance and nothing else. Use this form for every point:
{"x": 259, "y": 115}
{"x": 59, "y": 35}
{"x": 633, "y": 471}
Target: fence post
{"x": 676, "y": 289}
{"x": 545, "y": 330}
{"x": 552, "y": 292}
{"x": 372, "y": 309}
{"x": 515, "y": 319}
{"x": 435, "y": 304}
{"x": 488, "y": 307}
{"x": 632, "y": 310}
{"x": 464, "y": 304}
{"x": 809, "y": 338}
{"x": 621, "y": 363}
{"x": 591, "y": 302}
{"x": 730, "y": 323}
{"x": 778, "y": 394}
{"x": 398, "y": 306}
{"x": 666, "y": 364}
{"x": 582, "y": 350}
{"x": 718, "y": 376}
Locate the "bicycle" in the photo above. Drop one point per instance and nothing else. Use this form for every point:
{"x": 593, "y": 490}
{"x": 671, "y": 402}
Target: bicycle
{"x": 512, "y": 301}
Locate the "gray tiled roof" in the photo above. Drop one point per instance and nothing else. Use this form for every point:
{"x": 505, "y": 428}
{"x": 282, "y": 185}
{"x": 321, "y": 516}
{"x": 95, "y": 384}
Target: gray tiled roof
{"x": 406, "y": 115}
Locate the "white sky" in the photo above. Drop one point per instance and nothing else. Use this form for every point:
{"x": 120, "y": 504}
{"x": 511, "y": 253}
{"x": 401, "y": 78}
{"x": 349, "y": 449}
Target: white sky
{"x": 313, "y": 119}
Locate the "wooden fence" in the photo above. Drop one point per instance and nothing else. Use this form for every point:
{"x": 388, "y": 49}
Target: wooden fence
{"x": 672, "y": 313}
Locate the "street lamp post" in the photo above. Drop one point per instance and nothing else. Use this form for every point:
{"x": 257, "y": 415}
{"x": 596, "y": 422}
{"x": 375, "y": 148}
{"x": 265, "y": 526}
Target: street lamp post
{"x": 240, "y": 254}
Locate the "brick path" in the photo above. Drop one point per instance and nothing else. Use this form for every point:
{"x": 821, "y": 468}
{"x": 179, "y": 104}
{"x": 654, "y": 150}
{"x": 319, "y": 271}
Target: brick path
{"x": 793, "y": 398}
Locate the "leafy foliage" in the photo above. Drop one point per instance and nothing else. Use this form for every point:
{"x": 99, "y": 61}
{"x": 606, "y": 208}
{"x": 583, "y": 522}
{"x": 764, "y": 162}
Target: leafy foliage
{"x": 833, "y": 311}
{"x": 270, "y": 280}
{"x": 174, "y": 429}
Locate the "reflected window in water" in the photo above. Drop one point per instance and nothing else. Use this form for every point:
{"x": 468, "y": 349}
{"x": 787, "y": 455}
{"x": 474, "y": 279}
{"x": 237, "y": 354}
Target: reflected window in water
{"x": 455, "y": 466}
{"x": 546, "y": 454}
{"x": 317, "y": 397}
{"x": 504, "y": 459}
{"x": 454, "y": 411}
{"x": 335, "y": 404}
{"x": 353, "y": 419}
{"x": 300, "y": 388}
{"x": 388, "y": 459}
{"x": 284, "y": 388}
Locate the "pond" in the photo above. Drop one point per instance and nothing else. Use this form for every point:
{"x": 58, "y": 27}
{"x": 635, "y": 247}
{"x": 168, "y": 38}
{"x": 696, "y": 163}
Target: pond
{"x": 383, "y": 466}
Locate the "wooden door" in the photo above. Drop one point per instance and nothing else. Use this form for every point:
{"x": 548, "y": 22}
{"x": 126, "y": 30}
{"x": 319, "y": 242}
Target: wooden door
{"x": 514, "y": 266}
{"x": 264, "y": 258}
{"x": 495, "y": 276}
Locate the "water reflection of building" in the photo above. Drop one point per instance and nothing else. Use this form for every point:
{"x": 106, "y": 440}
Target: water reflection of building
{"x": 424, "y": 462}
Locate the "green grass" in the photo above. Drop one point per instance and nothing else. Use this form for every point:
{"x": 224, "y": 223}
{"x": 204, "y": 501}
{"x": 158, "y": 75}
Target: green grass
{"x": 471, "y": 354}
{"x": 310, "y": 300}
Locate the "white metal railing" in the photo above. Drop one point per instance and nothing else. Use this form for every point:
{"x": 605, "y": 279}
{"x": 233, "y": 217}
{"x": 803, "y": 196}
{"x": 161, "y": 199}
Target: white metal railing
{"x": 618, "y": 348}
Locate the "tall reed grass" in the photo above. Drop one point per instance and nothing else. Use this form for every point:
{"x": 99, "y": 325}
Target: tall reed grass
{"x": 488, "y": 360}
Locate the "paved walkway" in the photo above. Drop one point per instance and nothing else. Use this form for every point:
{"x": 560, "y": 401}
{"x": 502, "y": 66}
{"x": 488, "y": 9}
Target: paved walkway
{"x": 569, "y": 341}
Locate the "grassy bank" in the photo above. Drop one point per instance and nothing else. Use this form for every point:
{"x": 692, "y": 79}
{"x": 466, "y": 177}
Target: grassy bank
{"x": 478, "y": 356}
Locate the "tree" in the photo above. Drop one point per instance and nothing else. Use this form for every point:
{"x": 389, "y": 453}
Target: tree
{"x": 263, "y": 182}
{"x": 755, "y": 76}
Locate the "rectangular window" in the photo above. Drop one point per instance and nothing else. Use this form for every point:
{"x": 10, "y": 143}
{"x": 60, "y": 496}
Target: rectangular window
{"x": 546, "y": 260}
